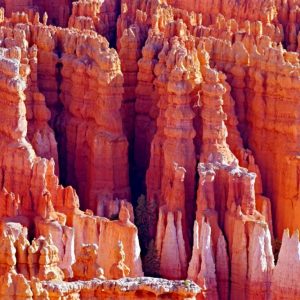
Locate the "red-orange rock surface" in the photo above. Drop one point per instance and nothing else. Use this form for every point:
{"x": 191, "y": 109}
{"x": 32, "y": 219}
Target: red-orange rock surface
{"x": 180, "y": 117}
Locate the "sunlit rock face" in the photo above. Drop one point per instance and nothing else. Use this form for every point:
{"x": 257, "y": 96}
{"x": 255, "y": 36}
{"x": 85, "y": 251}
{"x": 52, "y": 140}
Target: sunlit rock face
{"x": 149, "y": 138}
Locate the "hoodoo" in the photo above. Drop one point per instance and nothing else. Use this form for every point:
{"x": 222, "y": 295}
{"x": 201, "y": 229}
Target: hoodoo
{"x": 149, "y": 149}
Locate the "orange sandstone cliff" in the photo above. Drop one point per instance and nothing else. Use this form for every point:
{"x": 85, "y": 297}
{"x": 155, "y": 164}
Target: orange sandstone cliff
{"x": 149, "y": 149}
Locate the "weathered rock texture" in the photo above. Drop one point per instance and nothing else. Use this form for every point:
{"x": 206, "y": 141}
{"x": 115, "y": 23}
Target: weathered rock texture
{"x": 20, "y": 261}
{"x": 58, "y": 10}
{"x": 137, "y": 288}
{"x": 189, "y": 127}
{"x": 98, "y": 15}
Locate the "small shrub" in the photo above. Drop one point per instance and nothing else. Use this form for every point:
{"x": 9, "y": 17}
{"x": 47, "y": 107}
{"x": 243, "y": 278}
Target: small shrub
{"x": 276, "y": 245}
{"x": 151, "y": 263}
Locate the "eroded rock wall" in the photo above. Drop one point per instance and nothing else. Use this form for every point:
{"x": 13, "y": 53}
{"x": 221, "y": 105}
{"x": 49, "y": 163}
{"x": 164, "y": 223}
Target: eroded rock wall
{"x": 196, "y": 108}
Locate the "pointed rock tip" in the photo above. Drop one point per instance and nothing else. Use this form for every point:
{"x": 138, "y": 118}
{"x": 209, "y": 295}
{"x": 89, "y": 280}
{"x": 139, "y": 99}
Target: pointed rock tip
{"x": 295, "y": 235}
{"x": 286, "y": 233}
